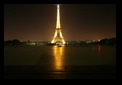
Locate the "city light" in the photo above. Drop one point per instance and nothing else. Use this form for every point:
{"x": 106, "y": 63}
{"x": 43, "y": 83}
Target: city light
{"x": 98, "y": 40}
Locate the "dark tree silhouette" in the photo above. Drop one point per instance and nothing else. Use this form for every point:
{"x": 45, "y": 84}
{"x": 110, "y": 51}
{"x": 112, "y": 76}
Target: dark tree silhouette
{"x": 16, "y": 42}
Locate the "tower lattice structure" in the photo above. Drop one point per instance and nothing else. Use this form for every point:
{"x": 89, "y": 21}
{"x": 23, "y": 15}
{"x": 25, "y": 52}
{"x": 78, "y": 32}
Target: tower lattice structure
{"x": 58, "y": 34}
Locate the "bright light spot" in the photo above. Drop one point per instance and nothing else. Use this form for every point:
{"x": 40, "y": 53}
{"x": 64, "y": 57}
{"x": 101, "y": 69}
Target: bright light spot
{"x": 58, "y": 5}
{"x": 58, "y": 18}
{"x": 98, "y": 40}
{"x": 55, "y": 35}
{"x": 61, "y": 35}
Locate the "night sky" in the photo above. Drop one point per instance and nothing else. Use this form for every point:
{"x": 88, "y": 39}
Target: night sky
{"x": 78, "y": 21}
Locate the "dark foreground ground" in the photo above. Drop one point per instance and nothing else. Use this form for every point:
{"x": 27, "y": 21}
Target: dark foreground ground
{"x": 69, "y": 72}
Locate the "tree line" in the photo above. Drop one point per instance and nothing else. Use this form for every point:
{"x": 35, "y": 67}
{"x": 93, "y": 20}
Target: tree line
{"x": 105, "y": 41}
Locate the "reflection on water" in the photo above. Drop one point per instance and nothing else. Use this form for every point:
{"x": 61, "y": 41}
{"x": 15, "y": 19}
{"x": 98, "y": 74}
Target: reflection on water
{"x": 98, "y": 49}
{"x": 59, "y": 57}
{"x": 58, "y": 54}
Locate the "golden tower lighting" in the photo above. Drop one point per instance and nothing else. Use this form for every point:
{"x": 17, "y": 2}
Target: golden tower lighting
{"x": 58, "y": 34}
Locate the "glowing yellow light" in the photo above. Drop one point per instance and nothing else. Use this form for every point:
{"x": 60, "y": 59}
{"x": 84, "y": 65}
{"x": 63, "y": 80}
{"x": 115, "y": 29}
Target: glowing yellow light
{"x": 61, "y": 35}
{"x": 58, "y": 28}
{"x": 58, "y": 17}
{"x": 52, "y": 41}
{"x": 58, "y": 54}
{"x": 63, "y": 42}
{"x": 55, "y": 35}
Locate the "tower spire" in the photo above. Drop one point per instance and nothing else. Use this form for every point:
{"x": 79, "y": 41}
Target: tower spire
{"x": 58, "y": 17}
{"x": 58, "y": 29}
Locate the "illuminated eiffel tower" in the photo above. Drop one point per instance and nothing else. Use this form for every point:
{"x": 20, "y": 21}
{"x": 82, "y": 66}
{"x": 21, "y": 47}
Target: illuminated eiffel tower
{"x": 58, "y": 34}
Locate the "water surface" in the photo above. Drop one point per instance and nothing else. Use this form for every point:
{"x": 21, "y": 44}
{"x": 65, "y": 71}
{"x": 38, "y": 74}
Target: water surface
{"x": 81, "y": 60}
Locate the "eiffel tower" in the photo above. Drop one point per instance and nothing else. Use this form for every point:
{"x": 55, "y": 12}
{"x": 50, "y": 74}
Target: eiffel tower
{"x": 58, "y": 38}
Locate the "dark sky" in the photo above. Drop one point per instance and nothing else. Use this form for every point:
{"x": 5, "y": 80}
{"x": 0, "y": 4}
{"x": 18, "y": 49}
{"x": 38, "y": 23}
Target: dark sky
{"x": 78, "y": 21}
